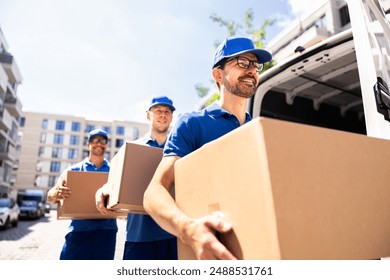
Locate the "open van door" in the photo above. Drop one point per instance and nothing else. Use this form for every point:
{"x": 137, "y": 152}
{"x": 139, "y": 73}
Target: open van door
{"x": 338, "y": 83}
{"x": 371, "y": 32}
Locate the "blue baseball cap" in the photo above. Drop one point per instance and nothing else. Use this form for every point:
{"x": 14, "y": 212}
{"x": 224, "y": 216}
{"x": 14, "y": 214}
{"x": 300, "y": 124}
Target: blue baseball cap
{"x": 97, "y": 132}
{"x": 162, "y": 100}
{"x": 237, "y": 45}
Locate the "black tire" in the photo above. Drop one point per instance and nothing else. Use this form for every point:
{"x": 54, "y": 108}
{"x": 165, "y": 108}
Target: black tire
{"x": 15, "y": 223}
{"x": 7, "y": 224}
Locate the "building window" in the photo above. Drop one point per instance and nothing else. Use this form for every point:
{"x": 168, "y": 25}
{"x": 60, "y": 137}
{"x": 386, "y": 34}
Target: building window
{"x": 120, "y": 130}
{"x": 13, "y": 179}
{"x": 19, "y": 136}
{"x": 72, "y": 154}
{"x": 76, "y": 126}
{"x": 135, "y": 133}
{"x": 41, "y": 151}
{"x": 85, "y": 154}
{"x": 60, "y": 125}
{"x": 55, "y": 166}
{"x": 52, "y": 181}
{"x": 44, "y": 123}
{"x": 56, "y": 153}
{"x": 58, "y": 139}
{"x": 38, "y": 166}
{"x": 18, "y": 149}
{"x": 43, "y": 138}
{"x": 344, "y": 16}
{"x": 107, "y": 129}
{"x": 16, "y": 164}
{"x": 89, "y": 127}
{"x": 119, "y": 143}
{"x": 37, "y": 181}
{"x": 74, "y": 140}
{"x": 22, "y": 121}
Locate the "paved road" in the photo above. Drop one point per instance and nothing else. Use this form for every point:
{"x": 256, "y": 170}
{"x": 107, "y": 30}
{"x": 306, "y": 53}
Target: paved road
{"x": 43, "y": 239}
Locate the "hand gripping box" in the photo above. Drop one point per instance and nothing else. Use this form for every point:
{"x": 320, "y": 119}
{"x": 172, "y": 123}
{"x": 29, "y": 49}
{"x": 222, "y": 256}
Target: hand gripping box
{"x": 131, "y": 171}
{"x": 81, "y": 204}
{"x": 291, "y": 191}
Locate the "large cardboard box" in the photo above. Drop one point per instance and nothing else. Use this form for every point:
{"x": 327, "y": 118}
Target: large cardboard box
{"x": 292, "y": 191}
{"x": 131, "y": 170}
{"x": 81, "y": 204}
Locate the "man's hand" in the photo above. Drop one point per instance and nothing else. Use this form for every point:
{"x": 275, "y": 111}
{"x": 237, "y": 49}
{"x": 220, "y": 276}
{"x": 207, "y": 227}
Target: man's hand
{"x": 62, "y": 191}
{"x": 200, "y": 235}
{"x": 100, "y": 199}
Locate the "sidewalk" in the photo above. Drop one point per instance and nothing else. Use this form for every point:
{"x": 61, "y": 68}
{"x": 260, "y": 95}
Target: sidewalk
{"x": 43, "y": 239}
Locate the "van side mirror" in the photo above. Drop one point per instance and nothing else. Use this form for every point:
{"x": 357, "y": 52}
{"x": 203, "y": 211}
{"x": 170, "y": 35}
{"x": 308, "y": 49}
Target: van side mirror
{"x": 382, "y": 98}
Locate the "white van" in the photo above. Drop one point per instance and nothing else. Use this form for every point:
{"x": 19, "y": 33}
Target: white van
{"x": 339, "y": 83}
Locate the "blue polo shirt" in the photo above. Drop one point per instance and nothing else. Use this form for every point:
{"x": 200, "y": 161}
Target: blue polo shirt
{"x": 90, "y": 224}
{"x": 139, "y": 227}
{"x": 195, "y": 129}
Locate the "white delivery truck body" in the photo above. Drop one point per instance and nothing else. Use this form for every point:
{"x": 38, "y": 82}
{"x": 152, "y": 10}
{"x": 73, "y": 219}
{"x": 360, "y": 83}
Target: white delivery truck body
{"x": 339, "y": 83}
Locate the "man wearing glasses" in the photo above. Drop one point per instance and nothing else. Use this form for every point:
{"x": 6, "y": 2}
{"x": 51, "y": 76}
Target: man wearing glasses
{"x": 90, "y": 239}
{"x": 235, "y": 70}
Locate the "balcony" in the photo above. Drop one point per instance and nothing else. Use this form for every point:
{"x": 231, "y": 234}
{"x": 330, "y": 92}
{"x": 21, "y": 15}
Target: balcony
{"x": 7, "y": 151}
{"x": 13, "y": 105}
{"x": 307, "y": 38}
{"x": 3, "y": 80}
{"x": 5, "y": 120}
{"x": 11, "y": 68}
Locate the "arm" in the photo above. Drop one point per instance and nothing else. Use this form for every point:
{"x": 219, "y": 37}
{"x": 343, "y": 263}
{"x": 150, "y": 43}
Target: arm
{"x": 197, "y": 233}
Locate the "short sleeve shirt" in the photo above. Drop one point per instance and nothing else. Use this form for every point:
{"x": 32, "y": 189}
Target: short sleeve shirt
{"x": 195, "y": 129}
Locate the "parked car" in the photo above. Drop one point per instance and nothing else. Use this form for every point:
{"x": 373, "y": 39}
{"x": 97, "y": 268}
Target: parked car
{"x": 37, "y": 195}
{"x": 31, "y": 209}
{"x": 47, "y": 207}
{"x": 9, "y": 213}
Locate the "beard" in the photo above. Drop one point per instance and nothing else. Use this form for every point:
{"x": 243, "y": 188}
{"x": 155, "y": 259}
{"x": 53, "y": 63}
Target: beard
{"x": 241, "y": 88}
{"x": 98, "y": 151}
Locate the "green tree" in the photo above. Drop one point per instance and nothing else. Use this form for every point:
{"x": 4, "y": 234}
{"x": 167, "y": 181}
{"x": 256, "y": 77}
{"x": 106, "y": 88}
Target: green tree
{"x": 257, "y": 34}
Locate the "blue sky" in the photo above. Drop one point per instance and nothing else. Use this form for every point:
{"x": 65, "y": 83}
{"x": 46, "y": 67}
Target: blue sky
{"x": 105, "y": 59}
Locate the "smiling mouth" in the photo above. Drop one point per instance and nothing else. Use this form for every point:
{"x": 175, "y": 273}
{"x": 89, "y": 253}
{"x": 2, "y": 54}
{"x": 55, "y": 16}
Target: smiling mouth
{"x": 249, "y": 81}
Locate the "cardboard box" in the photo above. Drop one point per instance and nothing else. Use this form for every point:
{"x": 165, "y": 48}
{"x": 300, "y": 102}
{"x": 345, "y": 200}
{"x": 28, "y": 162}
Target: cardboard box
{"x": 292, "y": 191}
{"x": 131, "y": 171}
{"x": 81, "y": 204}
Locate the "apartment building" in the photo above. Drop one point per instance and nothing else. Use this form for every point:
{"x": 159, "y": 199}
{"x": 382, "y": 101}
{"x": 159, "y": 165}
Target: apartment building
{"x": 10, "y": 112}
{"x": 48, "y": 143}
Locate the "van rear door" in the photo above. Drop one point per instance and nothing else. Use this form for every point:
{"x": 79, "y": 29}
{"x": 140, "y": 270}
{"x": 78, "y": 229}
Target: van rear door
{"x": 371, "y": 33}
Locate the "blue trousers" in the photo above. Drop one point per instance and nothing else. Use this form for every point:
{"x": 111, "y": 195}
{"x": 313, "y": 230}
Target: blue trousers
{"x": 89, "y": 245}
{"x": 153, "y": 250}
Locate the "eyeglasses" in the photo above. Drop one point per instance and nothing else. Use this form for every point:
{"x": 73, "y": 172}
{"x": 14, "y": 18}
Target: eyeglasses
{"x": 245, "y": 63}
{"x": 98, "y": 140}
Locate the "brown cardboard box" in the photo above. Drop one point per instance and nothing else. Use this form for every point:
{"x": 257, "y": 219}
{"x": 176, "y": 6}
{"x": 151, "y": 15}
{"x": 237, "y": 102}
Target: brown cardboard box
{"x": 81, "y": 204}
{"x": 131, "y": 170}
{"x": 292, "y": 191}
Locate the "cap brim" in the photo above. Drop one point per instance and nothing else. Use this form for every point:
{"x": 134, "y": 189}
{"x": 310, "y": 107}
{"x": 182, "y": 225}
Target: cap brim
{"x": 97, "y": 134}
{"x": 164, "y": 104}
{"x": 263, "y": 56}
